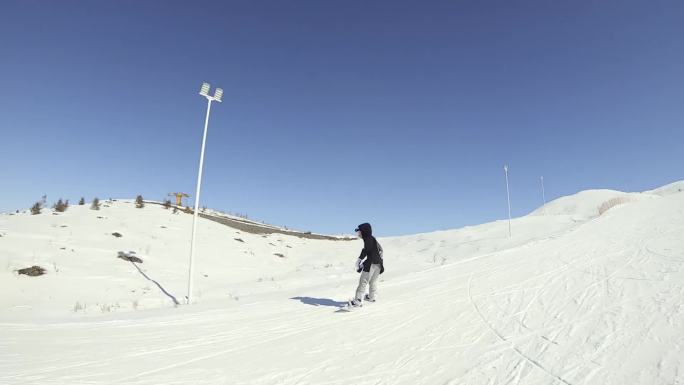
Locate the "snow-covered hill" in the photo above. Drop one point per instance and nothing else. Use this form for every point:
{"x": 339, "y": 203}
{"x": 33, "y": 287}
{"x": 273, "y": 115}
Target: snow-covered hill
{"x": 584, "y": 292}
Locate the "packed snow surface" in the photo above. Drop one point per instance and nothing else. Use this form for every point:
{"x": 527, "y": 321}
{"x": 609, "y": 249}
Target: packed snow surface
{"x": 573, "y": 297}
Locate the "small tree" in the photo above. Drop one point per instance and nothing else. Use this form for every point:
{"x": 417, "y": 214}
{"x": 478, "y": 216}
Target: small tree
{"x": 95, "y": 205}
{"x": 81, "y": 202}
{"x": 35, "y": 209}
{"x": 167, "y": 204}
{"x": 60, "y": 206}
{"x": 139, "y": 202}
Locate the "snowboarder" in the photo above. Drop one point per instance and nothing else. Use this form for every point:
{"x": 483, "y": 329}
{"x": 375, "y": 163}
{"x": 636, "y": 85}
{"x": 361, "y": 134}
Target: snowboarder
{"x": 369, "y": 264}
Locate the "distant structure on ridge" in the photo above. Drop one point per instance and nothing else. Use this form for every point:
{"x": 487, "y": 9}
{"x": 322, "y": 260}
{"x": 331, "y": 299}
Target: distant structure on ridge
{"x": 179, "y": 197}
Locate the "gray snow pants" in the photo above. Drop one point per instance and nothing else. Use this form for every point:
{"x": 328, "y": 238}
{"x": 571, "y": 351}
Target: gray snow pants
{"x": 366, "y": 278}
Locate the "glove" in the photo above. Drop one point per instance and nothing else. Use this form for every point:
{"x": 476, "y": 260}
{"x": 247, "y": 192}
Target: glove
{"x": 359, "y": 265}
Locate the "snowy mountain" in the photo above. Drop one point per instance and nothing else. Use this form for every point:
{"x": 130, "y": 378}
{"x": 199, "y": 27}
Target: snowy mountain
{"x": 588, "y": 290}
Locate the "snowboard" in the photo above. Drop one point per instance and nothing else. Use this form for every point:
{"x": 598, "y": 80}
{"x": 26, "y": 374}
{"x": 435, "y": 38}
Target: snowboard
{"x": 348, "y": 307}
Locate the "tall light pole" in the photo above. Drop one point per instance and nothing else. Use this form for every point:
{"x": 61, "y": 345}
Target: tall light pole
{"x": 218, "y": 93}
{"x": 543, "y": 193}
{"x": 508, "y": 196}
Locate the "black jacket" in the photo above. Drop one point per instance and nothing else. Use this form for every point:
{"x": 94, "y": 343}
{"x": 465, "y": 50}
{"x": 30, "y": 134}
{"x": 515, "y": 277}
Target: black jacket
{"x": 370, "y": 248}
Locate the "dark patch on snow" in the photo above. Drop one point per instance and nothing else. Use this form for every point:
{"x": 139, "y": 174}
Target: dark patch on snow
{"x": 117, "y": 235}
{"x": 32, "y": 271}
{"x": 264, "y": 230}
{"x": 239, "y": 240}
{"x": 129, "y": 257}
{"x": 279, "y": 255}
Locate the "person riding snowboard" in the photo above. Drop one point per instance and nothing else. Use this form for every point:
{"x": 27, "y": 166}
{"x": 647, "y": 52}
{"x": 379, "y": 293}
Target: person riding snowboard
{"x": 369, "y": 264}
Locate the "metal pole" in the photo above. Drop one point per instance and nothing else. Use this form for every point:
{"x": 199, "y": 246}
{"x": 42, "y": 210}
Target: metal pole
{"x": 197, "y": 198}
{"x": 508, "y": 196}
{"x": 543, "y": 194}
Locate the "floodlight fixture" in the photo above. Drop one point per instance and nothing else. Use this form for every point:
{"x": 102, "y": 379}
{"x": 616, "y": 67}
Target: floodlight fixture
{"x": 204, "y": 91}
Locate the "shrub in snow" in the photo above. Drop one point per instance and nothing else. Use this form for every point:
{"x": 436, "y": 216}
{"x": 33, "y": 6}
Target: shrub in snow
{"x": 130, "y": 257}
{"x": 167, "y": 204}
{"x": 139, "y": 202}
{"x": 81, "y": 202}
{"x": 35, "y": 209}
{"x": 117, "y": 235}
{"x": 95, "y": 205}
{"x": 32, "y": 271}
{"x": 60, "y": 206}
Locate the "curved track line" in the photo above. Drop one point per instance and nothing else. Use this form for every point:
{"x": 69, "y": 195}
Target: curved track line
{"x": 512, "y": 346}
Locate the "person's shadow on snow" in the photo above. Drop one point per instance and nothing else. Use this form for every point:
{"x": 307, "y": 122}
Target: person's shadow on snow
{"x": 319, "y": 301}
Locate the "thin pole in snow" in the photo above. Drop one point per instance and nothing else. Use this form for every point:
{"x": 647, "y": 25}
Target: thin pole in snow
{"x": 217, "y": 97}
{"x": 508, "y": 196}
{"x": 543, "y": 194}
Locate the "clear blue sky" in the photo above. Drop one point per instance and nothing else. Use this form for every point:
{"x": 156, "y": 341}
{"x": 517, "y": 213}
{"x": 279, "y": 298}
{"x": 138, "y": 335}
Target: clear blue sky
{"x": 337, "y": 112}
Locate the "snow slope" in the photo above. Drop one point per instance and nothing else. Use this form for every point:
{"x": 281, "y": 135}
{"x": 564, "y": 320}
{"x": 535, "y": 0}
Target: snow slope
{"x": 572, "y": 298}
